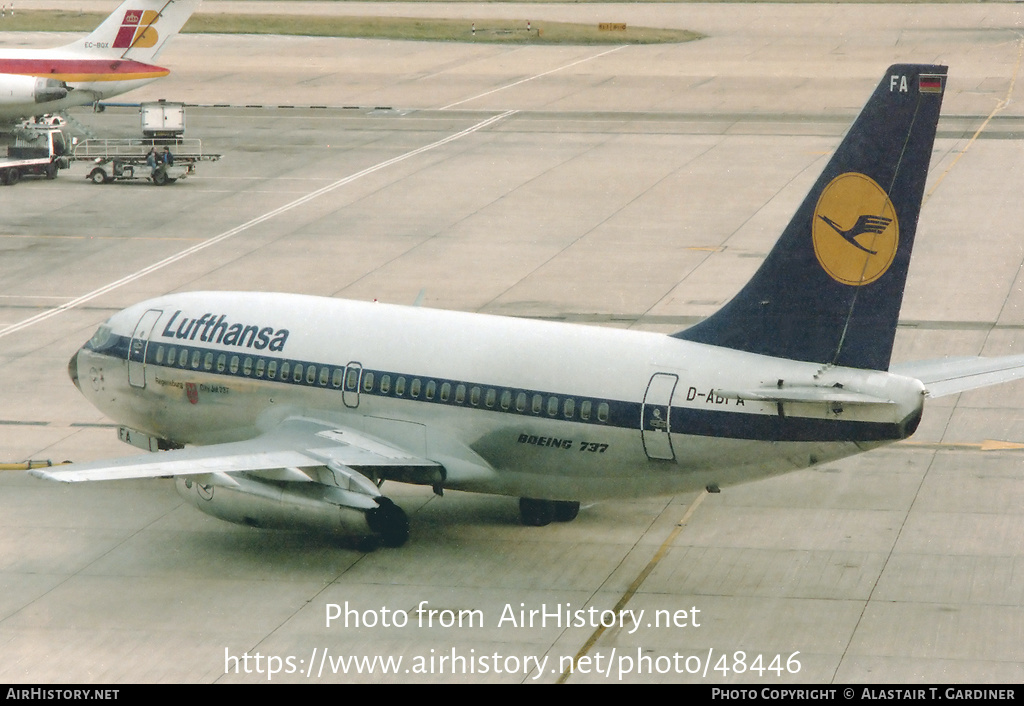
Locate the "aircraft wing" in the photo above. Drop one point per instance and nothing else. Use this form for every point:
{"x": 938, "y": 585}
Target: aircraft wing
{"x": 948, "y": 376}
{"x": 298, "y": 449}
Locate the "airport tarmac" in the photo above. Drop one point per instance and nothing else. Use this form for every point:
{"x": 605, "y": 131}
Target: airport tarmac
{"x": 625, "y": 186}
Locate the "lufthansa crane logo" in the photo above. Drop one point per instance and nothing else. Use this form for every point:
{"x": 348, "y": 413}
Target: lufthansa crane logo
{"x": 855, "y": 230}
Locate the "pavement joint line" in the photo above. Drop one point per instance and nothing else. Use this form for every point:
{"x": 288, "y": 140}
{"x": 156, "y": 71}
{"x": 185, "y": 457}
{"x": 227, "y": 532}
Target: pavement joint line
{"x": 999, "y": 107}
{"x": 635, "y": 586}
{"x": 531, "y": 78}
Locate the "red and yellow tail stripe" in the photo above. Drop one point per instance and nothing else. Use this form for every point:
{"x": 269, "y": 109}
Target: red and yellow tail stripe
{"x": 82, "y": 70}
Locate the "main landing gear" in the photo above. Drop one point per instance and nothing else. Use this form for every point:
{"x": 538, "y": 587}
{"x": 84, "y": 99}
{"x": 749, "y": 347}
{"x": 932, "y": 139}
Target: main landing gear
{"x": 388, "y": 522}
{"x": 537, "y": 513}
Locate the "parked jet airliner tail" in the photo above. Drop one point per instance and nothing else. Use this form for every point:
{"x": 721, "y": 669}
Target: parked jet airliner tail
{"x": 113, "y": 59}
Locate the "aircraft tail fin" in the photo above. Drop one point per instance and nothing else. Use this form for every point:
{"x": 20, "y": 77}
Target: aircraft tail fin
{"x": 137, "y": 30}
{"x": 830, "y": 290}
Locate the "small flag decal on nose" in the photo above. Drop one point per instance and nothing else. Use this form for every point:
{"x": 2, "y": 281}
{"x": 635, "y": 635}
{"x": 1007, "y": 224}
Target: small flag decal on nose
{"x": 931, "y": 83}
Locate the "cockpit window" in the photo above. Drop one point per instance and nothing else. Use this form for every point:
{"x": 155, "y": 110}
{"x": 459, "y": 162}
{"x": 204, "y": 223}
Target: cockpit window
{"x": 102, "y": 339}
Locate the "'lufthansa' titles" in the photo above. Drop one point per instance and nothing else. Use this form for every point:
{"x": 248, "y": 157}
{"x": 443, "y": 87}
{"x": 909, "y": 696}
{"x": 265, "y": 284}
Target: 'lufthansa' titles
{"x": 211, "y": 328}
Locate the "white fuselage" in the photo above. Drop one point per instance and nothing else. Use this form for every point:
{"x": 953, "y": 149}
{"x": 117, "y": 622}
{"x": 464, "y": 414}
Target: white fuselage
{"x": 74, "y": 79}
{"x": 507, "y": 406}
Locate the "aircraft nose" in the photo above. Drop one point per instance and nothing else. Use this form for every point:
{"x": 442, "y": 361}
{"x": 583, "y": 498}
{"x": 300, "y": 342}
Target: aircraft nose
{"x": 73, "y": 370}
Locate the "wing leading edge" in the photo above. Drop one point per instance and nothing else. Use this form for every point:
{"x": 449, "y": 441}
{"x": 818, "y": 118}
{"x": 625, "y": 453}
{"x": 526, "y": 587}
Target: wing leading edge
{"x": 300, "y": 448}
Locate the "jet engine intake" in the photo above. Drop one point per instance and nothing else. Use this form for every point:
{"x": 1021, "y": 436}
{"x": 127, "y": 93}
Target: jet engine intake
{"x": 31, "y": 89}
{"x": 49, "y": 89}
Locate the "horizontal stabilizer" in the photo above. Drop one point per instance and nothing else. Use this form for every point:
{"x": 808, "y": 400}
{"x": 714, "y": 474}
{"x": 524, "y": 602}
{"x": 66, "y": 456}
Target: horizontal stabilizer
{"x": 948, "y": 376}
{"x": 805, "y": 393}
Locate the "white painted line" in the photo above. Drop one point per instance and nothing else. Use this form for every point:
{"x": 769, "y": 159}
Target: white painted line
{"x": 531, "y": 78}
{"x": 43, "y": 316}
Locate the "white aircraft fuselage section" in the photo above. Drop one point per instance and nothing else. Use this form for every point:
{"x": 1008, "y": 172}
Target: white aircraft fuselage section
{"x": 508, "y": 406}
{"x": 86, "y": 77}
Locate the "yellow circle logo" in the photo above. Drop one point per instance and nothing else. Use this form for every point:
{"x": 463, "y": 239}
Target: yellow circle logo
{"x": 855, "y": 230}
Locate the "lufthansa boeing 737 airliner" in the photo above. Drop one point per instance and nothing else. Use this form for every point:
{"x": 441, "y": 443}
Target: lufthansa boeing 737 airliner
{"x": 295, "y": 409}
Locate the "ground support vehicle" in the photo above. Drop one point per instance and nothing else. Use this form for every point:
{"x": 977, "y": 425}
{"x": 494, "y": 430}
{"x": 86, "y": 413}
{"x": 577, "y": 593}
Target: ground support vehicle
{"x": 38, "y": 150}
{"x": 126, "y": 159}
{"x": 163, "y": 119}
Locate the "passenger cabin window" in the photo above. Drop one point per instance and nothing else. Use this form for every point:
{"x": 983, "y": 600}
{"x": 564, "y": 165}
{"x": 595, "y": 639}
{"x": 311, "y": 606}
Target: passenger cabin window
{"x": 208, "y": 362}
{"x": 160, "y": 355}
{"x": 569, "y": 408}
{"x": 474, "y": 396}
{"x": 506, "y": 399}
{"x": 311, "y": 375}
{"x": 385, "y": 384}
{"x": 552, "y": 406}
{"x": 325, "y": 376}
{"x": 585, "y": 410}
{"x": 446, "y": 391}
{"x": 368, "y": 382}
{"x": 521, "y": 402}
{"x": 261, "y": 365}
{"x": 196, "y": 357}
{"x": 234, "y": 365}
{"x": 460, "y": 394}
{"x": 272, "y": 369}
{"x": 297, "y": 376}
{"x": 431, "y": 389}
{"x": 337, "y": 377}
{"x": 602, "y": 412}
{"x": 414, "y": 388}
{"x": 400, "y": 386}
{"x": 247, "y": 367}
{"x": 537, "y": 404}
{"x": 222, "y": 363}
{"x": 285, "y": 369}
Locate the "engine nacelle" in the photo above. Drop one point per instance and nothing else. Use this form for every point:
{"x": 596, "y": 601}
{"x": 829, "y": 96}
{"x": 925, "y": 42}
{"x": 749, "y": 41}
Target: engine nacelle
{"x": 31, "y": 89}
{"x": 292, "y": 505}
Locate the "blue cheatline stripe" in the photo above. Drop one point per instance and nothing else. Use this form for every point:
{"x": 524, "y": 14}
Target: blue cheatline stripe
{"x": 623, "y": 414}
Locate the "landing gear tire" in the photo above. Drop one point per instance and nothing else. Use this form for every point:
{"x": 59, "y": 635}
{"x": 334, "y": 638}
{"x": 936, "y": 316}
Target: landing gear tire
{"x": 389, "y": 523}
{"x": 536, "y": 513}
{"x": 566, "y": 510}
